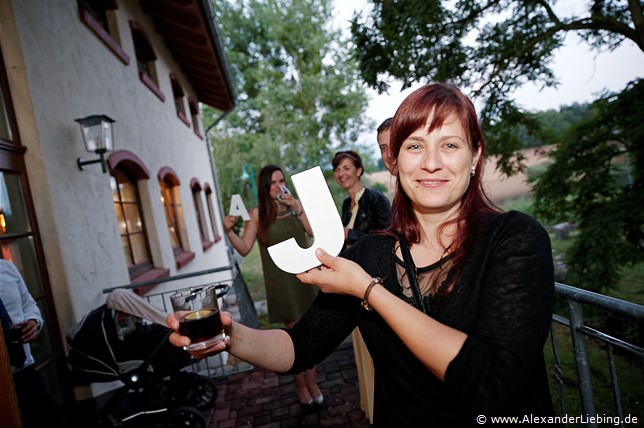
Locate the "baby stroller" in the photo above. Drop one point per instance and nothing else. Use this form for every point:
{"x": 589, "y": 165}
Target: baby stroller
{"x": 117, "y": 341}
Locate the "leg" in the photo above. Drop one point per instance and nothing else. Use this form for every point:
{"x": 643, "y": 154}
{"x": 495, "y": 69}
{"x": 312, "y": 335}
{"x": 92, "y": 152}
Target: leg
{"x": 313, "y": 390}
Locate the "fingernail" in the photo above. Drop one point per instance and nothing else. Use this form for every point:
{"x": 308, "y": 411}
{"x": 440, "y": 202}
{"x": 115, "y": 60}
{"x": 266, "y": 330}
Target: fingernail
{"x": 319, "y": 252}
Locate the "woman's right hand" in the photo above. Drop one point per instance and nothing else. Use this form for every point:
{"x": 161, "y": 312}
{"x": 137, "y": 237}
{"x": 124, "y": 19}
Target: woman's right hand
{"x": 229, "y": 222}
{"x": 180, "y": 341}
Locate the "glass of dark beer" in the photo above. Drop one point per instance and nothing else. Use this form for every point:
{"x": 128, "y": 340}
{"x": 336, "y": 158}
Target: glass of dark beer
{"x": 197, "y": 310}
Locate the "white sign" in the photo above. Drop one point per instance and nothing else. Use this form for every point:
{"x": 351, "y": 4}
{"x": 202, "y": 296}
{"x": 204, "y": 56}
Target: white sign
{"x": 237, "y": 207}
{"x": 325, "y": 221}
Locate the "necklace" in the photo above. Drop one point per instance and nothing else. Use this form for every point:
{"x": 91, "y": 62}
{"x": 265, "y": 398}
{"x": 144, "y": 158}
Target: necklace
{"x": 283, "y": 211}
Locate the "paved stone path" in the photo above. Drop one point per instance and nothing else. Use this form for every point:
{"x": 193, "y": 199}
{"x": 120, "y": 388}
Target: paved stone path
{"x": 258, "y": 398}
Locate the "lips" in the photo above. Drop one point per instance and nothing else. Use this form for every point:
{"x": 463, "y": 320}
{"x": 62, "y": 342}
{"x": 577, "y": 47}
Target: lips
{"x": 433, "y": 183}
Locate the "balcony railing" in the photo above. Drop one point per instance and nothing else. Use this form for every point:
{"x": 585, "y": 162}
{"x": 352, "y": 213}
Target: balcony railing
{"x": 576, "y": 300}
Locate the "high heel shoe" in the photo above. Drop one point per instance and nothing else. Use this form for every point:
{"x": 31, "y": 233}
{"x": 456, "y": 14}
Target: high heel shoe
{"x": 319, "y": 400}
{"x": 307, "y": 404}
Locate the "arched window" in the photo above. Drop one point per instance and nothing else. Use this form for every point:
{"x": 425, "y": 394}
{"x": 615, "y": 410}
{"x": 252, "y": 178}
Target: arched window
{"x": 199, "y": 212}
{"x": 127, "y": 170}
{"x": 211, "y": 212}
{"x": 145, "y": 59}
{"x": 169, "y": 185}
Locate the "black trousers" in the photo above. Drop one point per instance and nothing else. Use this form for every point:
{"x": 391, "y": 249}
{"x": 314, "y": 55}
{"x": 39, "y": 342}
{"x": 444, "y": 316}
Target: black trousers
{"x": 37, "y": 409}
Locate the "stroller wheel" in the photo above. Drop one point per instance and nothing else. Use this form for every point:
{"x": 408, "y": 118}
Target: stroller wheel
{"x": 204, "y": 393}
{"x": 185, "y": 417}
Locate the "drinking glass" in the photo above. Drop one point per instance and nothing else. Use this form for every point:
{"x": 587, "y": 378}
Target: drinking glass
{"x": 197, "y": 310}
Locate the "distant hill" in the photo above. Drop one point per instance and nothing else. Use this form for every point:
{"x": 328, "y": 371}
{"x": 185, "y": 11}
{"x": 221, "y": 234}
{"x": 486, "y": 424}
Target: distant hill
{"x": 499, "y": 188}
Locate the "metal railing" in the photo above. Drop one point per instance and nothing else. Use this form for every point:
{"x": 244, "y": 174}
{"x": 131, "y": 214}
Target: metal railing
{"x": 576, "y": 299}
{"x": 234, "y": 297}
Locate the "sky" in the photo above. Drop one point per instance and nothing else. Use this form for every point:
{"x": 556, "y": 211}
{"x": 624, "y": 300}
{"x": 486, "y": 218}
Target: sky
{"x": 582, "y": 73}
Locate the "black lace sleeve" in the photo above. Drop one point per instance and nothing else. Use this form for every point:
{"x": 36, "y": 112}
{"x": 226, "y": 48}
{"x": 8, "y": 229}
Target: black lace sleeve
{"x": 324, "y": 326}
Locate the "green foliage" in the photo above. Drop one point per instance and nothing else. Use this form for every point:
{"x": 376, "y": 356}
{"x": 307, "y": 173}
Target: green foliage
{"x": 299, "y": 96}
{"x": 597, "y": 181}
{"x": 489, "y": 47}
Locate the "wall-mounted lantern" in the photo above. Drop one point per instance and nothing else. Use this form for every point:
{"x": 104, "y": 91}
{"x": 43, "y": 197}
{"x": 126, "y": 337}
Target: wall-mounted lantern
{"x": 98, "y": 138}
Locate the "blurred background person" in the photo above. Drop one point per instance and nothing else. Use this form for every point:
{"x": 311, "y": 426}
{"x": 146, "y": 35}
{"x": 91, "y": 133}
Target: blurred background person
{"x": 278, "y": 217}
{"x": 364, "y": 211}
{"x": 383, "y": 133}
{"x": 21, "y": 324}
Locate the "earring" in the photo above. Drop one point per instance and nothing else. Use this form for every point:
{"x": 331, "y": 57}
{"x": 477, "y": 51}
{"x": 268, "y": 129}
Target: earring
{"x": 473, "y": 171}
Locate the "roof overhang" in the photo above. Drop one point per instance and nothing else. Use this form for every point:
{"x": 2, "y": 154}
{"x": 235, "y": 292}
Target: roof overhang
{"x": 190, "y": 32}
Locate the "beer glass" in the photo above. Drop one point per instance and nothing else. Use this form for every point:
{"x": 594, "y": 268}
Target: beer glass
{"x": 198, "y": 313}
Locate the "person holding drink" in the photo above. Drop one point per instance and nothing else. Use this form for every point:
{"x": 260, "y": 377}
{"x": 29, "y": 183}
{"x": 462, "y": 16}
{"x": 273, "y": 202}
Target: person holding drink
{"x": 279, "y": 216}
{"x": 197, "y": 310}
{"x": 22, "y": 323}
{"x": 454, "y": 301}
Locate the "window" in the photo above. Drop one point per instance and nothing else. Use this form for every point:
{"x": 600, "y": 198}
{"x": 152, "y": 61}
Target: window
{"x": 179, "y": 103}
{"x": 8, "y": 125}
{"x": 127, "y": 171}
{"x": 125, "y": 196}
{"x": 145, "y": 59}
{"x": 99, "y": 16}
{"x": 211, "y": 212}
{"x": 199, "y": 212}
{"x": 21, "y": 243}
{"x": 169, "y": 184}
{"x": 194, "y": 115}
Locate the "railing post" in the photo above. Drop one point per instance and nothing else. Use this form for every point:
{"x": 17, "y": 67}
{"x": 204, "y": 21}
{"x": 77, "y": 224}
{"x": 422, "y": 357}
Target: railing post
{"x": 582, "y": 360}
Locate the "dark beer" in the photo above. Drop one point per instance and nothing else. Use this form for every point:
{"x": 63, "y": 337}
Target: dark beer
{"x": 14, "y": 334}
{"x": 201, "y": 325}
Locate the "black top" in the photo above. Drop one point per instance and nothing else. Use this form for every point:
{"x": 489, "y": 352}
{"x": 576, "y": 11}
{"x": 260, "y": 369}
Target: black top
{"x": 503, "y": 301}
{"x": 374, "y": 211}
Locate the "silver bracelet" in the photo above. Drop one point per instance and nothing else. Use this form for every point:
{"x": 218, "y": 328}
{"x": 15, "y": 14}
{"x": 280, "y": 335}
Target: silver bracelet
{"x": 365, "y": 299}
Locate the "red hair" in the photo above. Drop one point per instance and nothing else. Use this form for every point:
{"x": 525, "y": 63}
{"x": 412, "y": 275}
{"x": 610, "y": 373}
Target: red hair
{"x": 267, "y": 211}
{"x": 441, "y": 101}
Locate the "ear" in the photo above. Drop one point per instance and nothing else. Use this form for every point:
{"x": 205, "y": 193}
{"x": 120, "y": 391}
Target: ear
{"x": 477, "y": 155}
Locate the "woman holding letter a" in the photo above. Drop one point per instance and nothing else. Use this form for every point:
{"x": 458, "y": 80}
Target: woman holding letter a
{"x": 454, "y": 301}
{"x": 278, "y": 217}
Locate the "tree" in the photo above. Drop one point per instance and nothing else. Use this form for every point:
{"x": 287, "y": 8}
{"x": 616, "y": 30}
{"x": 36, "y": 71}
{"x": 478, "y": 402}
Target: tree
{"x": 493, "y": 47}
{"x": 597, "y": 181}
{"x": 488, "y": 47}
{"x": 299, "y": 92}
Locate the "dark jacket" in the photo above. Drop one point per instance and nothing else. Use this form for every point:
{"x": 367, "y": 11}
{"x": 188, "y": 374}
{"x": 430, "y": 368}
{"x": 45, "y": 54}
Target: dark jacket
{"x": 374, "y": 211}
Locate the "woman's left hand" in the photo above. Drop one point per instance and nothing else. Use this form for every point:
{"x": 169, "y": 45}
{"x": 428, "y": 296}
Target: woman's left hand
{"x": 337, "y": 275}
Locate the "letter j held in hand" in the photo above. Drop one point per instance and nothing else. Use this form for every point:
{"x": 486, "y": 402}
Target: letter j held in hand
{"x": 325, "y": 221}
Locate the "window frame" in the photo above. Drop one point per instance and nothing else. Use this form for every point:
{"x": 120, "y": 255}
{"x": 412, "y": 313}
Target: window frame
{"x": 211, "y": 212}
{"x": 130, "y": 164}
{"x": 145, "y": 55}
{"x": 169, "y": 180}
{"x": 109, "y": 37}
{"x": 179, "y": 99}
{"x": 195, "y": 186}
{"x": 193, "y": 107}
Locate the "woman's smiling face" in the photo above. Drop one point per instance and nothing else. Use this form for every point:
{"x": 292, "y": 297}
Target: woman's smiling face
{"x": 346, "y": 174}
{"x": 434, "y": 167}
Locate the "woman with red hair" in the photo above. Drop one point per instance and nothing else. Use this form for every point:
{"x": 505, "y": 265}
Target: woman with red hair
{"x": 454, "y": 301}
